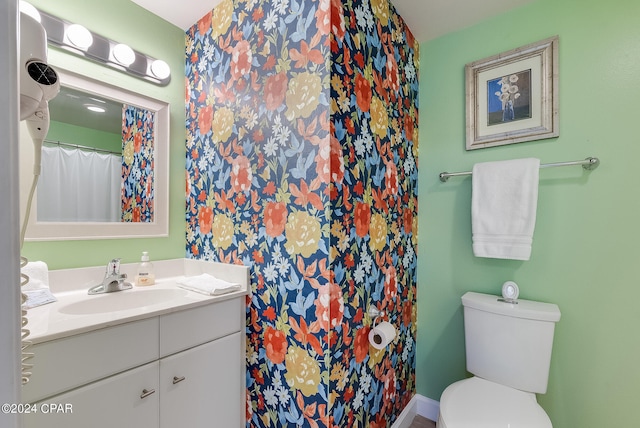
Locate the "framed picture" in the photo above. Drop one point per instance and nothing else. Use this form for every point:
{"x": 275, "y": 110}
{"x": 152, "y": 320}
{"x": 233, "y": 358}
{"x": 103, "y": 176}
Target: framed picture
{"x": 512, "y": 97}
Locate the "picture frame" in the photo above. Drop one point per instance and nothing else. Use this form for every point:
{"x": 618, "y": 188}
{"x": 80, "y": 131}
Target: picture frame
{"x": 512, "y": 97}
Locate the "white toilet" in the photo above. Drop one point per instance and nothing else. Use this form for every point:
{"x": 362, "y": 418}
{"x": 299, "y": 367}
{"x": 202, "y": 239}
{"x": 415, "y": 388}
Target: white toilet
{"x": 508, "y": 349}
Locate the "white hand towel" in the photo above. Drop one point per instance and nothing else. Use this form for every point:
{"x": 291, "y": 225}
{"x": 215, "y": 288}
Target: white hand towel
{"x": 207, "y": 284}
{"x": 38, "y": 273}
{"x": 503, "y": 208}
{"x": 38, "y": 298}
{"x": 37, "y": 289}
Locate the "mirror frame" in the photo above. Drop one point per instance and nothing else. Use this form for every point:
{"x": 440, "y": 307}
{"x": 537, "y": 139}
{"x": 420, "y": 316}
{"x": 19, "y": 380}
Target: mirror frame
{"x": 60, "y": 231}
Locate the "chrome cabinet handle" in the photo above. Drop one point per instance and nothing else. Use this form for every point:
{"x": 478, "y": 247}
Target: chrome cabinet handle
{"x": 177, "y": 379}
{"x": 147, "y": 392}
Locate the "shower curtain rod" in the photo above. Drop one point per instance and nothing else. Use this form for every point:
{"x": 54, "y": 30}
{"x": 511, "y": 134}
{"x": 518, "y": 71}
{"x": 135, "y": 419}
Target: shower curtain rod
{"x": 589, "y": 164}
{"x": 78, "y": 146}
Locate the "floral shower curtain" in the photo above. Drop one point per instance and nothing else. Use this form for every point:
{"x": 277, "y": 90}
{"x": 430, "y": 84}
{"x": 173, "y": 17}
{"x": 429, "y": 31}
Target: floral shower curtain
{"x": 79, "y": 186}
{"x": 138, "y": 130}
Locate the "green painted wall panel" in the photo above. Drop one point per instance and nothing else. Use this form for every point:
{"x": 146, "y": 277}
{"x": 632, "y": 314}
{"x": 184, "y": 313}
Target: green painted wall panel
{"x": 73, "y": 134}
{"x": 585, "y": 248}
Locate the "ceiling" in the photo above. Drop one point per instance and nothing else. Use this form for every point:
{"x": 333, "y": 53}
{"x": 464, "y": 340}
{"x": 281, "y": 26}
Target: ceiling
{"x": 70, "y": 106}
{"x": 427, "y": 19}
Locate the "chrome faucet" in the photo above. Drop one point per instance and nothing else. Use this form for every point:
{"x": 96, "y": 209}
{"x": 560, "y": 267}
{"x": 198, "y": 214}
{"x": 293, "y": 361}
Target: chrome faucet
{"x": 113, "y": 280}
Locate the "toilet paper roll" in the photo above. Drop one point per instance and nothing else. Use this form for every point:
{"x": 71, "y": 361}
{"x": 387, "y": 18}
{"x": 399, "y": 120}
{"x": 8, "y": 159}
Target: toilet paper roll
{"x": 382, "y": 334}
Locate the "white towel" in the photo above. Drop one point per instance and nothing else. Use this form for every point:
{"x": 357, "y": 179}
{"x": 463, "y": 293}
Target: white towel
{"x": 503, "y": 208}
{"x": 37, "y": 289}
{"x": 207, "y": 284}
{"x": 38, "y": 298}
{"x": 38, "y": 273}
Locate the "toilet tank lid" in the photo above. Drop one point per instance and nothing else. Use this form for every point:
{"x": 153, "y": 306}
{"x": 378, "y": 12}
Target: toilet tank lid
{"x": 523, "y": 309}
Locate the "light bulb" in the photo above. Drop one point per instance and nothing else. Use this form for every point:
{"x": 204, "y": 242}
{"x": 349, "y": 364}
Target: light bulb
{"x": 160, "y": 69}
{"x": 79, "y": 36}
{"x": 95, "y": 109}
{"x": 124, "y": 54}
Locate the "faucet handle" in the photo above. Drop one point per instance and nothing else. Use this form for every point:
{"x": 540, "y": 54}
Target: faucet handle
{"x": 113, "y": 268}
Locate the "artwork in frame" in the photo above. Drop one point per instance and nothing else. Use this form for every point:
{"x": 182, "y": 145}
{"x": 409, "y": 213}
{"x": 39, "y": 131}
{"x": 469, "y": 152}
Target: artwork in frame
{"x": 512, "y": 97}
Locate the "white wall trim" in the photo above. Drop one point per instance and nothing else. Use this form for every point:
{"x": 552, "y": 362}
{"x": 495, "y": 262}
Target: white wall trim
{"x": 419, "y": 405}
{"x": 407, "y": 415}
{"x": 427, "y": 407}
{"x": 10, "y": 387}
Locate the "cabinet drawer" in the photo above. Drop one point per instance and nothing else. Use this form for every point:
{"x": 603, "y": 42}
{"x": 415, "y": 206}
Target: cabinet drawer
{"x": 186, "y": 329}
{"x": 62, "y": 364}
{"x": 112, "y": 402}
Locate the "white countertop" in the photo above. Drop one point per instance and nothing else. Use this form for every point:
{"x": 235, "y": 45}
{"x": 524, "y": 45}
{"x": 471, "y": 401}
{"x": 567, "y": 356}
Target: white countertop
{"x": 77, "y": 312}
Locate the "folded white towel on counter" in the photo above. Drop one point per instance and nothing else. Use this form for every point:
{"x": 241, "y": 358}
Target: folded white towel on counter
{"x": 38, "y": 298}
{"x": 208, "y": 284}
{"x": 503, "y": 208}
{"x": 38, "y": 273}
{"x": 36, "y": 290}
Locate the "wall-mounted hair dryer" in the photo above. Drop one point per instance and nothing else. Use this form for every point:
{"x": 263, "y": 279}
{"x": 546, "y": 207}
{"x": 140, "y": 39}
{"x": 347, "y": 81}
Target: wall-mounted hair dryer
{"x": 39, "y": 83}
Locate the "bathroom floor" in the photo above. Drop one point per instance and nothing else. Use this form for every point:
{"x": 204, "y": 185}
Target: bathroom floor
{"x": 422, "y": 422}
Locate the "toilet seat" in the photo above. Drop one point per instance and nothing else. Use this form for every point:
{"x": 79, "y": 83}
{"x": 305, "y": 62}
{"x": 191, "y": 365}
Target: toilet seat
{"x": 479, "y": 403}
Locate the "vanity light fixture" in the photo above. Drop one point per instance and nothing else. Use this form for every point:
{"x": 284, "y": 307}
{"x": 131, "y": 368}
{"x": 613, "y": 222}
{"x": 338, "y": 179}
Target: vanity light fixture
{"x": 80, "y": 41}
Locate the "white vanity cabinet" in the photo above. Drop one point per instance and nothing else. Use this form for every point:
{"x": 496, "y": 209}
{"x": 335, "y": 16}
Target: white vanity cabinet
{"x": 192, "y": 377}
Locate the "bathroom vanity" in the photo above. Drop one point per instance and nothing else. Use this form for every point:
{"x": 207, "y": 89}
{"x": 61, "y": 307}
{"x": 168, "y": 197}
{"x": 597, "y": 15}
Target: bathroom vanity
{"x": 157, "y": 356}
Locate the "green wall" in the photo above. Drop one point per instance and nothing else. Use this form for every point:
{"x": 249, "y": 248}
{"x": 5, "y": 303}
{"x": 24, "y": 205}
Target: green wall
{"x": 126, "y": 22}
{"x": 585, "y": 250}
{"x": 73, "y": 134}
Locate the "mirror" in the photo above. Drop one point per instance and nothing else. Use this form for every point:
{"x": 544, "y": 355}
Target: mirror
{"x": 126, "y": 193}
{"x": 97, "y": 161}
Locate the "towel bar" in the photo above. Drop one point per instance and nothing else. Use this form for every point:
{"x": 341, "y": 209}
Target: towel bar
{"x": 589, "y": 164}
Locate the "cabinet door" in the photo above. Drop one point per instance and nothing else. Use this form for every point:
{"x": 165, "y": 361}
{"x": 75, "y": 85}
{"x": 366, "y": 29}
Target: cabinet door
{"x": 203, "y": 387}
{"x": 117, "y": 401}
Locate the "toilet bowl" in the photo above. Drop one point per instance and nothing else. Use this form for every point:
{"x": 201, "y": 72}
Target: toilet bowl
{"x": 479, "y": 403}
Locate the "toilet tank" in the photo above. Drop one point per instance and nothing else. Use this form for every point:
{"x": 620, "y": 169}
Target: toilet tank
{"x": 508, "y": 343}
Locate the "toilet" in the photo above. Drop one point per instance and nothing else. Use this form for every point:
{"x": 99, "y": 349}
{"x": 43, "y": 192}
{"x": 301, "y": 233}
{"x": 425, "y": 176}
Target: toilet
{"x": 508, "y": 349}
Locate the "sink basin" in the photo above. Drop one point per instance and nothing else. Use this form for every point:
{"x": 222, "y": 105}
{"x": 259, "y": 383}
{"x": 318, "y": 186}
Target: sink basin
{"x": 121, "y": 301}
